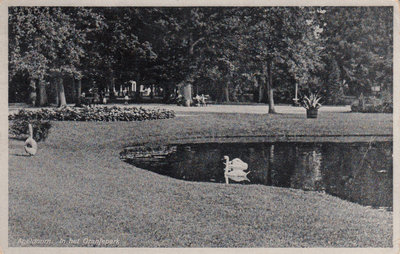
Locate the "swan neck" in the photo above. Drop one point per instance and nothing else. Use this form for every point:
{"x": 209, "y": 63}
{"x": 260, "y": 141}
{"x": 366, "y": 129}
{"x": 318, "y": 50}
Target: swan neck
{"x": 30, "y": 130}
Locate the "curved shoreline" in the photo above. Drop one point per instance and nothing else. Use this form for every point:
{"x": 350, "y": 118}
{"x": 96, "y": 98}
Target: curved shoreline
{"x": 272, "y": 139}
{"x": 287, "y": 138}
{"x": 77, "y": 186}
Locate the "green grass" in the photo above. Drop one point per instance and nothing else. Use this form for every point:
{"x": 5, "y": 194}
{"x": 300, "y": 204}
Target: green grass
{"x": 77, "y": 187}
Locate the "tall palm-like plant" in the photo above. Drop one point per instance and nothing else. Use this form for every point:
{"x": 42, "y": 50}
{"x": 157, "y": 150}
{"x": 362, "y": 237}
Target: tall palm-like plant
{"x": 311, "y": 102}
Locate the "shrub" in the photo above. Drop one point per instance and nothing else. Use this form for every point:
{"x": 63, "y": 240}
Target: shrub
{"x": 384, "y": 104}
{"x": 93, "y": 113}
{"x": 18, "y": 129}
{"x": 371, "y": 108}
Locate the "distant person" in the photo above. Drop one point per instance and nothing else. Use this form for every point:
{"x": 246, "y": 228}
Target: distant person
{"x": 96, "y": 98}
{"x": 203, "y": 100}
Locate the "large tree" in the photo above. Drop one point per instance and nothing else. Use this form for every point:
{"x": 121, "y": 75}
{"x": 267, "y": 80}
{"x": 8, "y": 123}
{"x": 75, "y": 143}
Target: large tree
{"x": 359, "y": 49}
{"x": 276, "y": 38}
{"x": 48, "y": 44}
{"x": 220, "y": 50}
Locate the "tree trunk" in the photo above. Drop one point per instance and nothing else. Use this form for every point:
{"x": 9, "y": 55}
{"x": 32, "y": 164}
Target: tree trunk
{"x": 226, "y": 92}
{"x": 235, "y": 94}
{"x": 74, "y": 97}
{"x": 112, "y": 81}
{"x": 260, "y": 92}
{"x": 57, "y": 99}
{"x": 270, "y": 90}
{"x": 221, "y": 93}
{"x": 166, "y": 93}
{"x": 33, "y": 98}
{"x": 187, "y": 94}
{"x": 61, "y": 92}
{"x": 78, "y": 101}
{"x": 138, "y": 95}
{"x": 188, "y": 78}
{"x": 42, "y": 93}
{"x": 361, "y": 100}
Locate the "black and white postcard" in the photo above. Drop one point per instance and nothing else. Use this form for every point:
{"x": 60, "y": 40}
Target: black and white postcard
{"x": 174, "y": 127}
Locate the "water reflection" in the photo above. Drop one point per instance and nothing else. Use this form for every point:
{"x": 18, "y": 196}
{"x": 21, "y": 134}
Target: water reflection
{"x": 358, "y": 172}
{"x": 307, "y": 169}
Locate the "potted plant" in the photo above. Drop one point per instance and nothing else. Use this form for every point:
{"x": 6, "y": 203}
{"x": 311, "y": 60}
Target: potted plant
{"x": 311, "y": 104}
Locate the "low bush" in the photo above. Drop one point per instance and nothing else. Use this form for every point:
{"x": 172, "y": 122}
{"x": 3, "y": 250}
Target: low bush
{"x": 383, "y": 104}
{"x": 373, "y": 108}
{"x": 19, "y": 129}
{"x": 93, "y": 113}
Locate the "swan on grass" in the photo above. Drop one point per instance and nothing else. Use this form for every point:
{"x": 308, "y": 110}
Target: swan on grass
{"x": 234, "y": 170}
{"x": 30, "y": 144}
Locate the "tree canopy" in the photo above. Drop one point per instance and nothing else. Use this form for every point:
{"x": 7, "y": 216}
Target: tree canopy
{"x": 223, "y": 51}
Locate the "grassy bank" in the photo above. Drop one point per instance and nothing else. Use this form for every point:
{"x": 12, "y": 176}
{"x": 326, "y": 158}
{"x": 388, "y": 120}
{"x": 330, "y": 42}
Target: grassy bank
{"x": 76, "y": 187}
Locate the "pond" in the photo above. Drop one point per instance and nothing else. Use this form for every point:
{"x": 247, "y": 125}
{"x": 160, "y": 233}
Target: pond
{"x": 357, "y": 172}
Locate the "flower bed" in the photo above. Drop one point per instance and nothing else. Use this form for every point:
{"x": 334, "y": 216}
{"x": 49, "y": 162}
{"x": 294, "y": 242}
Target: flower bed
{"x": 93, "y": 113}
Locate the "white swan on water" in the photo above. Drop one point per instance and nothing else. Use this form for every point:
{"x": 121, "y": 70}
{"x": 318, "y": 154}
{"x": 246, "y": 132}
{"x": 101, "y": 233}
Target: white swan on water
{"x": 234, "y": 170}
{"x": 30, "y": 144}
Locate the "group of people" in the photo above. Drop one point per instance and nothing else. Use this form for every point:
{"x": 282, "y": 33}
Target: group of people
{"x": 97, "y": 97}
{"x": 200, "y": 100}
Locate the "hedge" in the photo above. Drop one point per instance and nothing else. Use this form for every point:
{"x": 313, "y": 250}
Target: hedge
{"x": 93, "y": 113}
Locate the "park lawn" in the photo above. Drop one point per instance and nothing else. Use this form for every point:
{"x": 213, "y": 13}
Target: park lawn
{"x": 76, "y": 187}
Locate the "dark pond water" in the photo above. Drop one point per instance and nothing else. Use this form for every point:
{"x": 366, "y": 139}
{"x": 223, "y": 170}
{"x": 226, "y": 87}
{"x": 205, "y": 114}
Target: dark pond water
{"x": 358, "y": 172}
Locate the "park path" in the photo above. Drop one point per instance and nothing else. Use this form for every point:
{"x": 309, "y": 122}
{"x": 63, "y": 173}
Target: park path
{"x": 250, "y": 109}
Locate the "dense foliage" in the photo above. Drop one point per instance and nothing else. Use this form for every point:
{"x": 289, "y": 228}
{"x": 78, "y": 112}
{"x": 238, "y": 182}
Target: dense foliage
{"x": 227, "y": 53}
{"x": 93, "y": 113}
{"x": 358, "y": 52}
